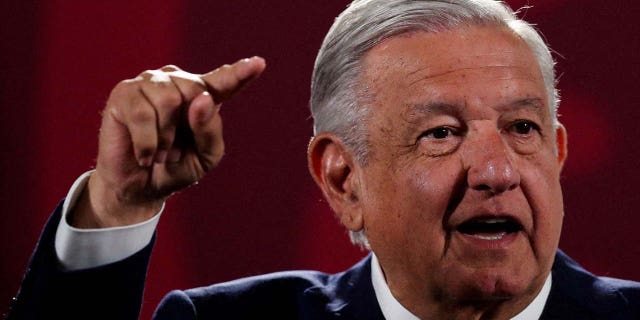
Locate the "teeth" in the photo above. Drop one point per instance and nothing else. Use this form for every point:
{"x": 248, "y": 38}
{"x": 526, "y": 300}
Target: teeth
{"x": 495, "y": 220}
{"x": 497, "y": 236}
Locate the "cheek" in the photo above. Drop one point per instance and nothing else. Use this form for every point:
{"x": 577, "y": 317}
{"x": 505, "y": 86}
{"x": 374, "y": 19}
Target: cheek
{"x": 411, "y": 204}
{"x": 429, "y": 187}
{"x": 541, "y": 185}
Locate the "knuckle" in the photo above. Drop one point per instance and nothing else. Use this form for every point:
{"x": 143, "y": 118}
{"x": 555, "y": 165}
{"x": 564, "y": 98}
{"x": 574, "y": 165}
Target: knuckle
{"x": 124, "y": 86}
{"x": 156, "y": 77}
{"x": 169, "y": 99}
{"x": 170, "y": 68}
{"x": 141, "y": 115}
{"x": 188, "y": 84}
{"x": 192, "y": 90}
{"x": 146, "y": 74}
{"x": 221, "y": 71}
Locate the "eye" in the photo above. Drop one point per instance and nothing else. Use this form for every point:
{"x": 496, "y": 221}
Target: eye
{"x": 439, "y": 141}
{"x": 524, "y": 136}
{"x": 524, "y": 127}
{"x": 438, "y": 133}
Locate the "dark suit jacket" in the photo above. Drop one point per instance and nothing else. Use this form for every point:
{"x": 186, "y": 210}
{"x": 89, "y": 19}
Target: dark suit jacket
{"x": 115, "y": 292}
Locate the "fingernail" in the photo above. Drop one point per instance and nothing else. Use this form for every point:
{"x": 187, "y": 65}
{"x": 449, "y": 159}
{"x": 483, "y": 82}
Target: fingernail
{"x": 161, "y": 156}
{"x": 207, "y": 113}
{"x": 145, "y": 161}
{"x": 174, "y": 155}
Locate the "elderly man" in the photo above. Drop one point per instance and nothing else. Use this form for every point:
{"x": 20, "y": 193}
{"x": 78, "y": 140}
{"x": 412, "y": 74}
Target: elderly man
{"x": 436, "y": 143}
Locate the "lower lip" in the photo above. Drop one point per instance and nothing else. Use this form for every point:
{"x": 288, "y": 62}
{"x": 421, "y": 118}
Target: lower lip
{"x": 489, "y": 241}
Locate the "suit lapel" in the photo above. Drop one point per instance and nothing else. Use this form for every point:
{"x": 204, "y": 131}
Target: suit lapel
{"x": 578, "y": 294}
{"x": 347, "y": 295}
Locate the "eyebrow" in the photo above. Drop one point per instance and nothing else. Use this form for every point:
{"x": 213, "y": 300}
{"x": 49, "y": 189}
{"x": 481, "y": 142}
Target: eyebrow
{"x": 535, "y": 105}
{"x": 532, "y": 104}
{"x": 416, "y": 111}
{"x": 432, "y": 108}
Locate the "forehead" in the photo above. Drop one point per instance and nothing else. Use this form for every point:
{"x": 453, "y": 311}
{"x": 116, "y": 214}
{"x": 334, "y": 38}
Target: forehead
{"x": 459, "y": 45}
{"x": 480, "y": 64}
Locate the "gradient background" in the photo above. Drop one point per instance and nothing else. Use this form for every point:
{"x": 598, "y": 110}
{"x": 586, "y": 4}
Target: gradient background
{"x": 260, "y": 211}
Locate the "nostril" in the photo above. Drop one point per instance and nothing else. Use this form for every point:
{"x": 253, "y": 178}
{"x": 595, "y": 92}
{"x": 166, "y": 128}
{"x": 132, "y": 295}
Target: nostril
{"x": 495, "y": 189}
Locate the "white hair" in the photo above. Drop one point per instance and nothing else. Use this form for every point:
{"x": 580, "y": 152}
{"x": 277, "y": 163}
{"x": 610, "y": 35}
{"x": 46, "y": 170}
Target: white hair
{"x": 336, "y": 99}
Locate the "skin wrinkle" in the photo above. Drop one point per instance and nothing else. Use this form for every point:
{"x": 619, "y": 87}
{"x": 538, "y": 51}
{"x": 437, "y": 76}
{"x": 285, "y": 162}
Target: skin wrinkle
{"x": 457, "y": 195}
{"x": 529, "y": 195}
{"x": 427, "y": 78}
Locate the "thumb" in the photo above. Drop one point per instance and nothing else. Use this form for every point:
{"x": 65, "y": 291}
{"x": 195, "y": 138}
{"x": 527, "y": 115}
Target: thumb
{"x": 206, "y": 124}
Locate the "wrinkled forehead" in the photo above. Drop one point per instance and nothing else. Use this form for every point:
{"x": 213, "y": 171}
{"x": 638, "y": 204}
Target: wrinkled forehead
{"x": 477, "y": 70}
{"x": 420, "y": 54}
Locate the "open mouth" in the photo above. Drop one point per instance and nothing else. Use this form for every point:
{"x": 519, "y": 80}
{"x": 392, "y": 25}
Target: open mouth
{"x": 490, "y": 228}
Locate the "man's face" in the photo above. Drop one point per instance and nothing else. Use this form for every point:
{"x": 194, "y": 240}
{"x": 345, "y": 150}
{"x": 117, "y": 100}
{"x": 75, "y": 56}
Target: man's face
{"x": 461, "y": 197}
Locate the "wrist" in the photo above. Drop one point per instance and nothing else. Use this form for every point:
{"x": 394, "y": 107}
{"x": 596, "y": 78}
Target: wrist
{"x": 101, "y": 206}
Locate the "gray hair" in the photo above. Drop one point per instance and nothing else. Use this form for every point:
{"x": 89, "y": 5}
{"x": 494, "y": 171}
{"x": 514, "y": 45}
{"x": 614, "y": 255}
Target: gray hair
{"x": 336, "y": 102}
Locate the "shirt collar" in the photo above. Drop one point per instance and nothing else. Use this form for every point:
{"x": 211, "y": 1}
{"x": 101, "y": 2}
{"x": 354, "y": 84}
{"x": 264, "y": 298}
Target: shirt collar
{"x": 392, "y": 309}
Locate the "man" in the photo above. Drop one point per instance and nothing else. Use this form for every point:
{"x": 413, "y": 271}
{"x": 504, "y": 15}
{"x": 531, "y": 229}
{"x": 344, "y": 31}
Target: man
{"x": 436, "y": 144}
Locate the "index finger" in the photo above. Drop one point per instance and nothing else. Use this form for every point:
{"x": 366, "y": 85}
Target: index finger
{"x": 227, "y": 80}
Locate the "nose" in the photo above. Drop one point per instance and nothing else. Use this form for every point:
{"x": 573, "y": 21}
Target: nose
{"x": 489, "y": 165}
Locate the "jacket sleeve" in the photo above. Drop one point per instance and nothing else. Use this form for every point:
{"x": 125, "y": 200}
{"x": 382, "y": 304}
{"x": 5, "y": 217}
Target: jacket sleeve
{"x": 112, "y": 291}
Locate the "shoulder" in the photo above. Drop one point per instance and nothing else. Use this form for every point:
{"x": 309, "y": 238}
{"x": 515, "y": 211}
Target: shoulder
{"x": 569, "y": 270}
{"x": 628, "y": 290}
{"x": 577, "y": 291}
{"x": 268, "y": 294}
{"x": 263, "y": 287}
{"x": 290, "y": 294}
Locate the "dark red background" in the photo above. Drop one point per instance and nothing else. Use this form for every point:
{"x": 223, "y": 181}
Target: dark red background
{"x": 260, "y": 211}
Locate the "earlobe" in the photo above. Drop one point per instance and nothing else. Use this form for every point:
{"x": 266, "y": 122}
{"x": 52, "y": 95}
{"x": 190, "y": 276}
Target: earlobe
{"x": 561, "y": 144}
{"x": 334, "y": 170}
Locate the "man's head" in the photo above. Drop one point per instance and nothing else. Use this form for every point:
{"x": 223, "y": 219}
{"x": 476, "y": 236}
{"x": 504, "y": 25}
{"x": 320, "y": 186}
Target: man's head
{"x": 339, "y": 101}
{"x": 438, "y": 138}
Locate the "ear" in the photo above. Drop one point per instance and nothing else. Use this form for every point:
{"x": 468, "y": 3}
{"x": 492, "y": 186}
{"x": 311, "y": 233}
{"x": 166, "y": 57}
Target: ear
{"x": 561, "y": 144}
{"x": 335, "y": 171}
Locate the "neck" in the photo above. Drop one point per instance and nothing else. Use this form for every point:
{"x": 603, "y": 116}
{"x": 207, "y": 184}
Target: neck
{"x": 412, "y": 299}
{"x": 441, "y": 307}
{"x": 434, "y": 305}
{"x": 505, "y": 309}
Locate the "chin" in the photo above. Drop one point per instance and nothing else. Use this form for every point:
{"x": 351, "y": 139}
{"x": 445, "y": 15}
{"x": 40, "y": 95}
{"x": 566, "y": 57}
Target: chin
{"x": 489, "y": 286}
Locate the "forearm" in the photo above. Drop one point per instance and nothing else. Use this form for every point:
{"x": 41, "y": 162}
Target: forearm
{"x": 89, "y": 277}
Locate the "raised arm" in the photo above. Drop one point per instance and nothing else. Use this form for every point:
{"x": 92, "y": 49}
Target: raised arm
{"x": 160, "y": 133}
